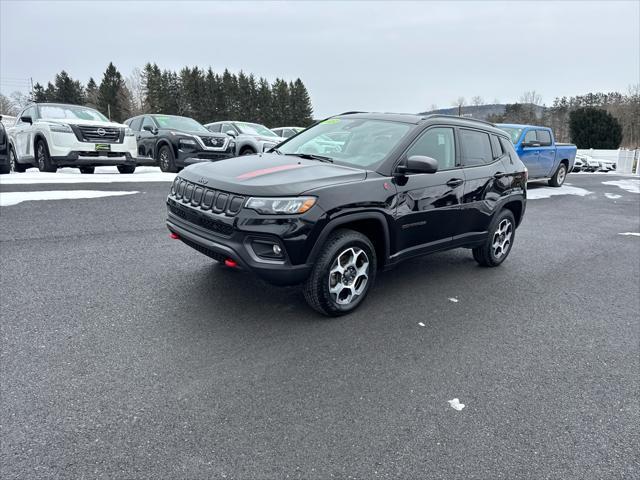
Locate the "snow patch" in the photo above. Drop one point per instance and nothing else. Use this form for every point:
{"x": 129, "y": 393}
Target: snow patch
{"x": 632, "y": 234}
{"x": 629, "y": 184}
{"x": 612, "y": 196}
{"x": 546, "y": 192}
{"x": 73, "y": 175}
{"x": 453, "y": 299}
{"x": 455, "y": 403}
{"x": 14, "y": 198}
{"x": 421, "y": 324}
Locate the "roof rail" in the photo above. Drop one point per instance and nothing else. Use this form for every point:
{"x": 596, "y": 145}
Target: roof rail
{"x": 436, "y": 115}
{"x": 349, "y": 113}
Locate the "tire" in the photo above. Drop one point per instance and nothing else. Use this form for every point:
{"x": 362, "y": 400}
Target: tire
{"x": 43, "y": 158}
{"x": 343, "y": 248}
{"x": 247, "y": 151}
{"x": 166, "y": 160}
{"x": 126, "y": 168}
{"x": 87, "y": 170}
{"x": 4, "y": 169}
{"x": 559, "y": 177}
{"x": 499, "y": 242}
{"x": 13, "y": 163}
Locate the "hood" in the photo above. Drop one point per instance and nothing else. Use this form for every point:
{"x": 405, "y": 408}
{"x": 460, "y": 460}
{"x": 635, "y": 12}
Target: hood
{"x": 270, "y": 174}
{"x": 78, "y": 121}
{"x": 195, "y": 134}
{"x": 261, "y": 138}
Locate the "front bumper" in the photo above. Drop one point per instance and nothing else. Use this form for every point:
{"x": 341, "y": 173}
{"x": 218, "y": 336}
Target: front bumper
{"x": 93, "y": 159}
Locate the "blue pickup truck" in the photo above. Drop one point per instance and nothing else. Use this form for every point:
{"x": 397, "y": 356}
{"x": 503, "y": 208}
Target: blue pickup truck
{"x": 545, "y": 159}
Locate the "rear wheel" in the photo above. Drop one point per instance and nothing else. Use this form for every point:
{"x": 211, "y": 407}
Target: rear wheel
{"x": 559, "y": 177}
{"x": 499, "y": 242}
{"x": 43, "y": 157}
{"x": 87, "y": 170}
{"x": 126, "y": 168}
{"x": 166, "y": 160}
{"x": 342, "y": 275}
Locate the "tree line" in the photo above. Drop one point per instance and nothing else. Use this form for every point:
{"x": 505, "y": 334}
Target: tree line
{"x": 204, "y": 95}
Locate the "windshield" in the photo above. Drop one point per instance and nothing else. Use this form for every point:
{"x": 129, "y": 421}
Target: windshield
{"x": 514, "y": 132}
{"x": 254, "y": 129}
{"x": 56, "y": 112}
{"x": 353, "y": 142}
{"x": 179, "y": 123}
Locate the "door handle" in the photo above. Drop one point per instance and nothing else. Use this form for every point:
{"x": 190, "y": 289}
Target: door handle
{"x": 455, "y": 182}
{"x": 498, "y": 175}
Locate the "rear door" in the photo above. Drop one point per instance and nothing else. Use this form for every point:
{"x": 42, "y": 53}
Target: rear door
{"x": 482, "y": 160}
{"x": 23, "y": 135}
{"x": 428, "y": 206}
{"x": 547, "y": 156}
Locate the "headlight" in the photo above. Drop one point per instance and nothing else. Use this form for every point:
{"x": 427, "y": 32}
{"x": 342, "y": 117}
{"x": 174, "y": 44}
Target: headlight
{"x": 188, "y": 143}
{"x": 60, "y": 128}
{"x": 274, "y": 206}
{"x": 128, "y": 132}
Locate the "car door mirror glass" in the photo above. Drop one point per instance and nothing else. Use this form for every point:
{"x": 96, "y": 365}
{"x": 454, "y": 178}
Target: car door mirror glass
{"x": 149, "y": 128}
{"x": 26, "y": 119}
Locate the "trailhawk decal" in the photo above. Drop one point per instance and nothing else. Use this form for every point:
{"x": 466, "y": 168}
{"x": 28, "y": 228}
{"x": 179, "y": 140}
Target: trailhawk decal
{"x": 267, "y": 171}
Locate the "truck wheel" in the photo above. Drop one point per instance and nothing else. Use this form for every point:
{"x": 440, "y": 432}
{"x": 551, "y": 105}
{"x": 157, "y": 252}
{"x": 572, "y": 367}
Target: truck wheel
{"x": 87, "y": 170}
{"x": 166, "y": 160}
{"x": 43, "y": 157}
{"x": 126, "y": 168}
{"x": 559, "y": 177}
{"x": 499, "y": 242}
{"x": 343, "y": 274}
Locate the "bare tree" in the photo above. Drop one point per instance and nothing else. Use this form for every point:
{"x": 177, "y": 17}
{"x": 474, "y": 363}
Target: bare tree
{"x": 20, "y": 100}
{"x": 459, "y": 102}
{"x": 433, "y": 107}
{"x": 477, "y": 100}
{"x": 6, "y": 106}
{"x": 531, "y": 97}
{"x": 136, "y": 89}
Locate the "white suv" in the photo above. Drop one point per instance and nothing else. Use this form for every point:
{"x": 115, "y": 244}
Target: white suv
{"x": 52, "y": 135}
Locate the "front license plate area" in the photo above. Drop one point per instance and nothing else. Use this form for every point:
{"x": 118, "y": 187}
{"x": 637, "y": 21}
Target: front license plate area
{"x": 103, "y": 147}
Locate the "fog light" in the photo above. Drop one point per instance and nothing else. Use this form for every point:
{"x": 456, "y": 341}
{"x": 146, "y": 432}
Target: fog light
{"x": 277, "y": 250}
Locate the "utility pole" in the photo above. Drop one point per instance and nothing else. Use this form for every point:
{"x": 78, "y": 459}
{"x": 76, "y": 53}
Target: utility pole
{"x": 109, "y": 111}
{"x": 31, "y": 80}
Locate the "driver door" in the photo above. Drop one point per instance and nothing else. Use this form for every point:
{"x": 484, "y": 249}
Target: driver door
{"x": 147, "y": 139}
{"x": 429, "y": 204}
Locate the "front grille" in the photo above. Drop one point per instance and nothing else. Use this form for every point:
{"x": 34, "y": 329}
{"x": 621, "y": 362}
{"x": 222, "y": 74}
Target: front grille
{"x": 93, "y": 153}
{"x": 206, "y": 198}
{"x": 92, "y": 134}
{"x": 209, "y": 223}
{"x": 213, "y": 142}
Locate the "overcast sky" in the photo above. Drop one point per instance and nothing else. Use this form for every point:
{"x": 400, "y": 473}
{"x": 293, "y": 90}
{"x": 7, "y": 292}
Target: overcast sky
{"x": 379, "y": 56}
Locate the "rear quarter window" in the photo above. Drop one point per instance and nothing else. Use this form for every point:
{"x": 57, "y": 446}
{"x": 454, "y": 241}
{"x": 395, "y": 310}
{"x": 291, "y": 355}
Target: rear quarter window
{"x": 476, "y": 148}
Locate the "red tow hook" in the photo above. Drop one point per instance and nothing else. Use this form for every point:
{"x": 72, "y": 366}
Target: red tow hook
{"x": 230, "y": 263}
{"x": 174, "y": 236}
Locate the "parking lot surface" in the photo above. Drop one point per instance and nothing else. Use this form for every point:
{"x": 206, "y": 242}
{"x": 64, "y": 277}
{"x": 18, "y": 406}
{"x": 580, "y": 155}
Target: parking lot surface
{"x": 128, "y": 355}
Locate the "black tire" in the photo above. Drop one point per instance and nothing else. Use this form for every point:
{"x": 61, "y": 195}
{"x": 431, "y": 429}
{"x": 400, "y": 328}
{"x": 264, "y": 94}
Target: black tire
{"x": 247, "y": 151}
{"x": 13, "y": 163}
{"x": 167, "y": 160}
{"x": 343, "y": 246}
{"x": 559, "y": 177}
{"x": 87, "y": 170}
{"x": 126, "y": 168}
{"x": 489, "y": 255}
{"x": 4, "y": 169}
{"x": 43, "y": 158}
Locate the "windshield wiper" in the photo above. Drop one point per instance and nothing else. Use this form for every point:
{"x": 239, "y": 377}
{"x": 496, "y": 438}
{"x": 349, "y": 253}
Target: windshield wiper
{"x": 311, "y": 156}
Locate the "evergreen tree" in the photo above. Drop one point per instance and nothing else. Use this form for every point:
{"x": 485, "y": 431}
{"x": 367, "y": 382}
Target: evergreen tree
{"x": 281, "y": 104}
{"x": 91, "y": 94}
{"x": 245, "y": 108}
{"x": 300, "y": 105}
{"x": 151, "y": 85}
{"x": 38, "y": 94}
{"x": 264, "y": 111}
{"x": 50, "y": 93}
{"x": 594, "y": 128}
{"x": 112, "y": 95}
{"x": 230, "y": 91}
{"x": 68, "y": 90}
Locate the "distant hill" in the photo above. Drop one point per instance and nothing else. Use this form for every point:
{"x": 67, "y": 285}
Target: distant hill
{"x": 480, "y": 112}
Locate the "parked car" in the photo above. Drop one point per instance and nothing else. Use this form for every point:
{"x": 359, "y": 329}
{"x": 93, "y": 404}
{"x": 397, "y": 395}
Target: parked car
{"x": 53, "y": 135}
{"x": 250, "y": 137}
{"x": 578, "y": 164}
{"x": 287, "y": 132}
{"x": 400, "y": 186}
{"x": 606, "y": 165}
{"x": 589, "y": 164}
{"x": 5, "y": 166}
{"x": 545, "y": 159}
{"x": 173, "y": 142}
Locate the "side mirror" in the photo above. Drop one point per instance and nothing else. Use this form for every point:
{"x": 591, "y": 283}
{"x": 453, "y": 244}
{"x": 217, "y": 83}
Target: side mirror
{"x": 419, "y": 164}
{"x": 26, "y": 119}
{"x": 149, "y": 128}
{"x": 231, "y": 133}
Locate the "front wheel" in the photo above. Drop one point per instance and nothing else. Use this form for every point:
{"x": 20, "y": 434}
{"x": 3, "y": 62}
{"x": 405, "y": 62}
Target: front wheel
{"x": 499, "y": 242}
{"x": 559, "y": 177}
{"x": 343, "y": 274}
{"x": 167, "y": 160}
{"x": 126, "y": 168}
{"x": 43, "y": 157}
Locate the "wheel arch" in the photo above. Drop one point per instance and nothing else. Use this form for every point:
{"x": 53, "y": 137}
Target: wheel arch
{"x": 517, "y": 208}
{"x": 161, "y": 143}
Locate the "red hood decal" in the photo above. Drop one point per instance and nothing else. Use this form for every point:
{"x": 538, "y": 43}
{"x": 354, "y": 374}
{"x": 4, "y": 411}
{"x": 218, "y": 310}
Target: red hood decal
{"x": 266, "y": 171}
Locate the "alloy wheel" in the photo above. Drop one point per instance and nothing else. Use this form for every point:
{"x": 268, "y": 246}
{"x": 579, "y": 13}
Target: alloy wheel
{"x": 164, "y": 159}
{"x": 349, "y": 275}
{"x": 562, "y": 173}
{"x": 502, "y": 238}
{"x": 41, "y": 156}
{"x": 12, "y": 161}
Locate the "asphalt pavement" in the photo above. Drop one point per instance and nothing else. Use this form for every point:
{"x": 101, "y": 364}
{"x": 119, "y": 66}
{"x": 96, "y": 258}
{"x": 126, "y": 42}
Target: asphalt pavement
{"x": 128, "y": 355}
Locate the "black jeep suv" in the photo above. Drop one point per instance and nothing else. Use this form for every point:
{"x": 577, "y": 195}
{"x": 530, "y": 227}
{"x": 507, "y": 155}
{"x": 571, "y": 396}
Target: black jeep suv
{"x": 353, "y": 194}
{"x": 173, "y": 142}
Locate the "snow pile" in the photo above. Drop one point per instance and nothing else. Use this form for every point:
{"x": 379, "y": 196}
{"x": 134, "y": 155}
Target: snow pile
{"x": 629, "y": 184}
{"x": 546, "y": 192}
{"x": 73, "y": 175}
{"x": 14, "y": 198}
{"x": 455, "y": 403}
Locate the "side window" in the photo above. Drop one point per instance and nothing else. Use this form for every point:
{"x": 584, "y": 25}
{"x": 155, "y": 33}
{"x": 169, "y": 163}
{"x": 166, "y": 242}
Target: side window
{"x": 136, "y": 124}
{"x": 507, "y": 146}
{"x": 27, "y": 112}
{"x": 530, "y": 137}
{"x": 214, "y": 128}
{"x": 226, "y": 127}
{"x": 544, "y": 137}
{"x": 496, "y": 147}
{"x": 476, "y": 148}
{"x": 436, "y": 143}
{"x": 148, "y": 121}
